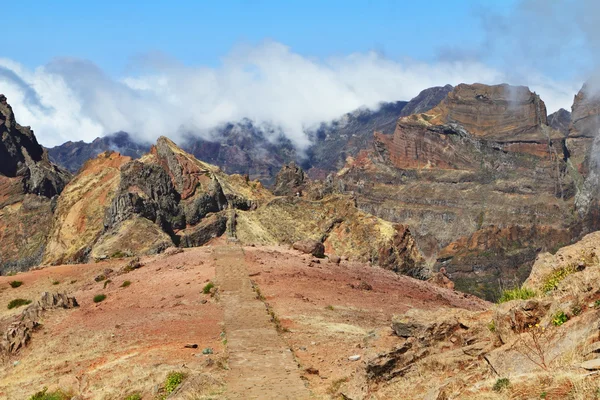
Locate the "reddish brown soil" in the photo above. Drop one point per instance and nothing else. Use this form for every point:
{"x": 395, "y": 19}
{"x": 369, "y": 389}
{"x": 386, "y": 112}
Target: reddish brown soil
{"x": 129, "y": 342}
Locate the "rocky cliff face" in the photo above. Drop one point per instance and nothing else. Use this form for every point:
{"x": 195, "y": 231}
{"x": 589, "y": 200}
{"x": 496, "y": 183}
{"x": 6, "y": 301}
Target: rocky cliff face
{"x": 28, "y": 186}
{"x": 481, "y": 179}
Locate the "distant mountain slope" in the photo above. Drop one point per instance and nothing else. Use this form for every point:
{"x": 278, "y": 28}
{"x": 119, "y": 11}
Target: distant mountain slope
{"x": 245, "y": 148}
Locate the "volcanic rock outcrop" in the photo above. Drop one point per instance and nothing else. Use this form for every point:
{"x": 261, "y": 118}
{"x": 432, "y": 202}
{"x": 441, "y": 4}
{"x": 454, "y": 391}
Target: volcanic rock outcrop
{"x": 116, "y": 206}
{"x": 29, "y": 183}
{"x": 481, "y": 179}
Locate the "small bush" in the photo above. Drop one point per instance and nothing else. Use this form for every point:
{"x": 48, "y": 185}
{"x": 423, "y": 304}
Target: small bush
{"x": 330, "y": 308}
{"x": 559, "y": 318}
{"x": 208, "y": 287}
{"x": 501, "y": 384}
{"x": 15, "y": 284}
{"x": 118, "y": 254}
{"x": 44, "y": 395}
{"x": 492, "y": 326}
{"x": 551, "y": 282}
{"x": 174, "y": 379}
{"x": 55, "y": 282}
{"x": 126, "y": 284}
{"x": 597, "y": 304}
{"x": 516, "y": 294}
{"x": 18, "y": 303}
{"x": 106, "y": 283}
{"x": 99, "y": 298}
{"x": 135, "y": 396}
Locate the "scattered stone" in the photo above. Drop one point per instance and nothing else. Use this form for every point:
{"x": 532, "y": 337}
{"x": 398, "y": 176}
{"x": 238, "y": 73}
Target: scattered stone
{"x": 310, "y": 246}
{"x": 204, "y": 301}
{"x": 171, "y": 251}
{"x": 365, "y": 286}
{"x": 312, "y": 371}
{"x": 335, "y": 259}
{"x": 316, "y": 261}
{"x": 191, "y": 346}
{"x": 19, "y": 332}
{"x": 591, "y": 365}
{"x": 594, "y": 348}
{"x": 354, "y": 358}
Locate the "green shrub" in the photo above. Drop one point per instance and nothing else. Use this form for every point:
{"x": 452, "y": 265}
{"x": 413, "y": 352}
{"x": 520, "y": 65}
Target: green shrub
{"x": 44, "y": 395}
{"x": 15, "y": 284}
{"x": 501, "y": 384}
{"x": 551, "y": 282}
{"x": 135, "y": 396}
{"x": 174, "y": 379}
{"x": 492, "y": 326}
{"x": 559, "y": 318}
{"x": 106, "y": 282}
{"x": 516, "y": 294}
{"x": 208, "y": 287}
{"x": 55, "y": 282}
{"x": 126, "y": 284}
{"x": 99, "y": 298}
{"x": 597, "y": 304}
{"x": 18, "y": 303}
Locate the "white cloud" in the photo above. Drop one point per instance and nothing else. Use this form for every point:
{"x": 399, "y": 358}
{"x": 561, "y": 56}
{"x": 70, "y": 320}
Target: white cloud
{"x": 270, "y": 84}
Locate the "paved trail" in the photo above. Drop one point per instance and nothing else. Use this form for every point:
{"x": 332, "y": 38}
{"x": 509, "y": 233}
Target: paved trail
{"x": 261, "y": 366}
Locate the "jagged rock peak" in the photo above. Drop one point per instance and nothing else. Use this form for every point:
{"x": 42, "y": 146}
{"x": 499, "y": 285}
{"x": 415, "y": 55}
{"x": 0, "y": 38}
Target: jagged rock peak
{"x": 560, "y": 120}
{"x": 22, "y": 156}
{"x": 289, "y": 181}
{"x": 426, "y": 100}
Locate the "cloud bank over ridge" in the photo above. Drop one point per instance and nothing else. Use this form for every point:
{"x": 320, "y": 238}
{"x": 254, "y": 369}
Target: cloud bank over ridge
{"x": 72, "y": 99}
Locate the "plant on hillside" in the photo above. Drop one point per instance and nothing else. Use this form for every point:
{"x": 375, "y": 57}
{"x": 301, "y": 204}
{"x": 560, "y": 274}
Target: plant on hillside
{"x": 44, "y": 395}
{"x": 126, "y": 283}
{"x": 551, "y": 282}
{"x": 106, "y": 283}
{"x": 173, "y": 380}
{"x": 534, "y": 344}
{"x": 18, "y": 303}
{"x": 99, "y": 298}
{"x": 559, "y": 318}
{"x": 501, "y": 384}
{"x": 15, "y": 284}
{"x": 135, "y": 396}
{"x": 208, "y": 287}
{"x": 521, "y": 293}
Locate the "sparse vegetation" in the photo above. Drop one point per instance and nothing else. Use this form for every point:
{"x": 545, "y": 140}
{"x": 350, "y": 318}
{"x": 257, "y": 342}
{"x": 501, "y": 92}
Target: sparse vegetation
{"x": 118, "y": 254}
{"x": 99, "y": 298}
{"x": 330, "y": 307}
{"x": 521, "y": 293}
{"x": 106, "y": 282}
{"x": 45, "y": 395}
{"x": 551, "y": 282}
{"x": 501, "y": 384}
{"x": 126, "y": 284}
{"x": 559, "y": 318}
{"x": 55, "y": 282}
{"x": 15, "y": 284}
{"x": 135, "y": 396}
{"x": 18, "y": 303}
{"x": 173, "y": 380}
{"x": 336, "y": 385}
{"x": 208, "y": 287}
{"x": 492, "y": 326}
{"x": 597, "y": 304}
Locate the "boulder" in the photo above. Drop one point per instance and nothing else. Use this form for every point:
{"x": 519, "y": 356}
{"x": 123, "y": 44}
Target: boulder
{"x": 309, "y": 246}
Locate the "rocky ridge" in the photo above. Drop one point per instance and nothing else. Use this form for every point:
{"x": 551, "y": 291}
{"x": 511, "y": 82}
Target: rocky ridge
{"x": 116, "y": 206}
{"x": 481, "y": 179}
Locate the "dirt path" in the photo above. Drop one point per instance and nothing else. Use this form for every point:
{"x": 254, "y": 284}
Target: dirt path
{"x": 261, "y": 366}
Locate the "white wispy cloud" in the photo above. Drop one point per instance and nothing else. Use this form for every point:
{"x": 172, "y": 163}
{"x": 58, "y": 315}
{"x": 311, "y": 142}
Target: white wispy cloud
{"x": 71, "y": 99}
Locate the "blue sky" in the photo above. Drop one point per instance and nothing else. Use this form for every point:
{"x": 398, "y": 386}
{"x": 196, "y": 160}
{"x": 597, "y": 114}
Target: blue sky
{"x": 110, "y": 33}
{"x": 76, "y": 70}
